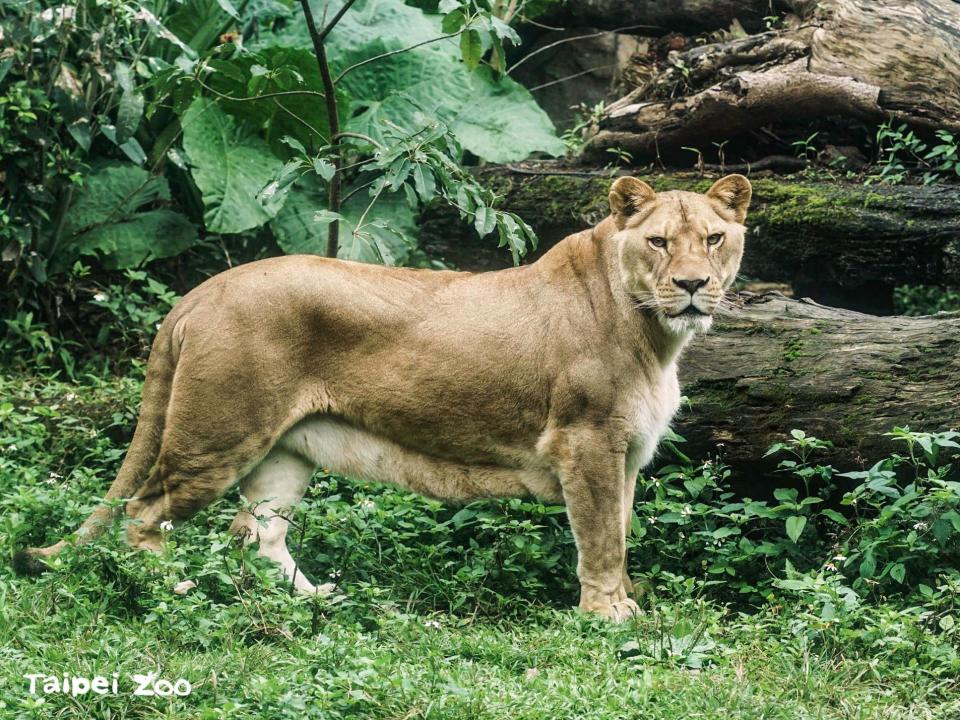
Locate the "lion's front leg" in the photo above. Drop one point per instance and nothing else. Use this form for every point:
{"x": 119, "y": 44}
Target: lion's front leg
{"x": 593, "y": 481}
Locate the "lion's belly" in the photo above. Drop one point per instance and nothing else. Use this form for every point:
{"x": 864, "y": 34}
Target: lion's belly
{"x": 342, "y": 448}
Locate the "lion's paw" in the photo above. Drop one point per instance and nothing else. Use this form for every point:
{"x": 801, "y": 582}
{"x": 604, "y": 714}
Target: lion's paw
{"x": 618, "y": 610}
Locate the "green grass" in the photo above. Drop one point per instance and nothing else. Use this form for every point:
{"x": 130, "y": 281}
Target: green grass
{"x": 440, "y": 613}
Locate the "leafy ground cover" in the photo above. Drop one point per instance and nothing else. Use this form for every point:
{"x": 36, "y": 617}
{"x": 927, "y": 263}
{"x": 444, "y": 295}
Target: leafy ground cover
{"x": 446, "y": 612}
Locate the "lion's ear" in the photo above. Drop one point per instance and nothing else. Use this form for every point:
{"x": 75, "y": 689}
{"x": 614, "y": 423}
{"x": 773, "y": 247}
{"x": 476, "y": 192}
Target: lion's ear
{"x": 627, "y": 196}
{"x": 733, "y": 192}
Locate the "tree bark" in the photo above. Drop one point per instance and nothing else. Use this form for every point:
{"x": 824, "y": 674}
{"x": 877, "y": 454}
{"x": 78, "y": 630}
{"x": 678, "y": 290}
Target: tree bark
{"x": 779, "y": 364}
{"x": 865, "y": 60}
{"x": 686, "y": 16}
{"x": 846, "y": 245}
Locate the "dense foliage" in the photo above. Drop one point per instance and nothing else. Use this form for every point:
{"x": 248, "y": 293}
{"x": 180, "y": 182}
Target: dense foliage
{"x": 133, "y": 131}
{"x": 834, "y": 597}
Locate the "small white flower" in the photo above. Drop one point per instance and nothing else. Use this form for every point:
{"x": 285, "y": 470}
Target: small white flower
{"x": 920, "y": 526}
{"x": 652, "y": 520}
{"x": 367, "y": 505}
{"x": 59, "y": 14}
{"x": 687, "y": 510}
{"x": 70, "y": 397}
{"x": 335, "y": 575}
{"x": 166, "y": 526}
{"x": 12, "y": 448}
{"x": 830, "y": 566}
{"x": 839, "y": 558}
{"x": 157, "y": 326}
{"x": 435, "y": 624}
{"x": 101, "y": 297}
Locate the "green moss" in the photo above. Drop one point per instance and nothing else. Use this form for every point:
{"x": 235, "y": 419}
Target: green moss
{"x": 787, "y": 204}
{"x": 576, "y": 200}
{"x": 792, "y": 349}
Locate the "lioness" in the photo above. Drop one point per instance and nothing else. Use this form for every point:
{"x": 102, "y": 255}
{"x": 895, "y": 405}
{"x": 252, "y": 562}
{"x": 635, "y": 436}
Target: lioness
{"x": 555, "y": 379}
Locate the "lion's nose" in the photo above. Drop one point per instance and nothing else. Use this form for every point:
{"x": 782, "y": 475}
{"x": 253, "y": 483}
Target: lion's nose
{"x": 691, "y": 285}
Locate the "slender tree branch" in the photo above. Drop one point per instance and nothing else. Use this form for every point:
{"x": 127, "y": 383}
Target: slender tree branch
{"x": 336, "y": 18}
{"x": 360, "y": 136}
{"x": 265, "y": 96}
{"x": 530, "y": 21}
{"x": 272, "y": 96}
{"x": 536, "y": 52}
{"x": 565, "y": 79}
{"x": 299, "y": 119}
{"x": 333, "y": 118}
{"x": 358, "y": 189}
{"x": 397, "y": 52}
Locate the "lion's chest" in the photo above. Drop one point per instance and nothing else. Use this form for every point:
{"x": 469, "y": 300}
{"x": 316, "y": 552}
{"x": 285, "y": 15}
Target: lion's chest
{"x": 651, "y": 408}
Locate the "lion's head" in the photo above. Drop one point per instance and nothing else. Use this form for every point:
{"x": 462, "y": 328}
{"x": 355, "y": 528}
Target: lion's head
{"x": 679, "y": 251}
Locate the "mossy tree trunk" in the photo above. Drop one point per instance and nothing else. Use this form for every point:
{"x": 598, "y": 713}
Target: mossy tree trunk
{"x": 863, "y": 60}
{"x": 779, "y": 364}
{"x": 846, "y": 245}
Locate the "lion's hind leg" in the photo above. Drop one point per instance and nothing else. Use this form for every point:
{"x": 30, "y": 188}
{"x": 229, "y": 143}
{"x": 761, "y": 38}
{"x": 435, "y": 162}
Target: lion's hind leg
{"x": 170, "y": 496}
{"x": 273, "y": 489}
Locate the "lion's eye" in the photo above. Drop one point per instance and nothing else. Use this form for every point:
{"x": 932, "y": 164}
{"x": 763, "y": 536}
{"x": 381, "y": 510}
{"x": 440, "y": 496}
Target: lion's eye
{"x": 715, "y": 239}
{"x": 657, "y": 241}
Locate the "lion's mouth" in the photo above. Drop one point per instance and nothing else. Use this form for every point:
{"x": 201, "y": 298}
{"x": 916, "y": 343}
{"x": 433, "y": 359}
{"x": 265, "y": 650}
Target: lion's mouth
{"x": 689, "y": 311}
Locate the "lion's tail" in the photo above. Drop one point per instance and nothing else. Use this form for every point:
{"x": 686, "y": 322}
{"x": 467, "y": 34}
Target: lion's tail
{"x": 143, "y": 452}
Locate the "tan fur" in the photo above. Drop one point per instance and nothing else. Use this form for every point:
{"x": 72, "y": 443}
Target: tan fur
{"x": 556, "y": 379}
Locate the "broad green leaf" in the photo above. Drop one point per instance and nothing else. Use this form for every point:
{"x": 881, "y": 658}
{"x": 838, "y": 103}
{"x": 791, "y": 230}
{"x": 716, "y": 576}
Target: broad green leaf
{"x": 367, "y": 21}
{"x": 197, "y": 24}
{"x": 504, "y": 31}
{"x": 324, "y": 168}
{"x": 386, "y": 237}
{"x": 471, "y": 48}
{"x": 145, "y": 236}
{"x": 230, "y": 166}
{"x": 130, "y": 147}
{"x": 424, "y": 182}
{"x": 485, "y": 220}
{"x": 115, "y": 217}
{"x": 795, "y": 526}
{"x": 954, "y": 518}
{"x": 497, "y": 121}
{"x": 298, "y": 118}
{"x": 786, "y": 495}
{"x": 835, "y": 516}
{"x": 129, "y": 112}
{"x": 325, "y": 217}
{"x": 898, "y": 572}
{"x": 228, "y": 8}
{"x": 501, "y": 122}
{"x": 726, "y": 531}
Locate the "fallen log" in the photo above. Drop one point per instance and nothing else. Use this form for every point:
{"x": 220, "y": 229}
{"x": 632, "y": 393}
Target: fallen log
{"x": 842, "y": 244}
{"x": 777, "y": 364}
{"x": 860, "y": 60}
{"x": 687, "y": 16}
